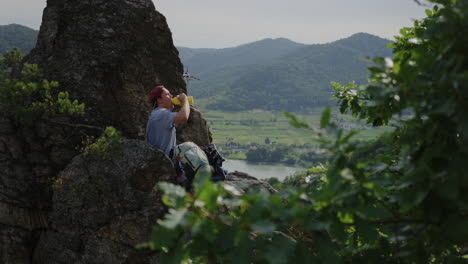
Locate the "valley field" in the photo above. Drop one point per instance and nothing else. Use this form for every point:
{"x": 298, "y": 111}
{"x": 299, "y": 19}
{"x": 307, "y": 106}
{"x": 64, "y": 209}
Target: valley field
{"x": 255, "y": 126}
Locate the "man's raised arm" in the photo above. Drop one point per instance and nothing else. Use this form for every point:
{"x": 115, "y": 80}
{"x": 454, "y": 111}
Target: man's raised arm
{"x": 184, "y": 112}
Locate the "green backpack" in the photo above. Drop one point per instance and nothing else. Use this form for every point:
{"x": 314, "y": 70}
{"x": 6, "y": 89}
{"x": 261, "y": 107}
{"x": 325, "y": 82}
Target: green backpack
{"x": 192, "y": 160}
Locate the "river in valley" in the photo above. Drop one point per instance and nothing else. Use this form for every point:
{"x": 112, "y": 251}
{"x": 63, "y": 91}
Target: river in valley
{"x": 261, "y": 171}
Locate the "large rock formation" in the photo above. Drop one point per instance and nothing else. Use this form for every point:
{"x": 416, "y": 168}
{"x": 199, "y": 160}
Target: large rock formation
{"x": 108, "y": 54}
{"x": 195, "y": 129}
{"x": 103, "y": 207}
{"x": 29, "y": 157}
{"x": 245, "y": 182}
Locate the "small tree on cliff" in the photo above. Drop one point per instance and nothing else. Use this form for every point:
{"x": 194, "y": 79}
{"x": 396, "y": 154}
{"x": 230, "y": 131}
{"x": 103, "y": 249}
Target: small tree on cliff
{"x": 27, "y": 95}
{"x": 403, "y": 199}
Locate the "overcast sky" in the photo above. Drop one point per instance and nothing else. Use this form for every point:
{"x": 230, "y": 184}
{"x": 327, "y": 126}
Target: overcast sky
{"x": 220, "y": 23}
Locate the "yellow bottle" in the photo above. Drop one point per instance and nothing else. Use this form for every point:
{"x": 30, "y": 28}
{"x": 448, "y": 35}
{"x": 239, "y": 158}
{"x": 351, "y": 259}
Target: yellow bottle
{"x": 177, "y": 102}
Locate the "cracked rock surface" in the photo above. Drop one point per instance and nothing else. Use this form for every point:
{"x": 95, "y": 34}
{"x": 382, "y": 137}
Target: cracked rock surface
{"x": 102, "y": 208}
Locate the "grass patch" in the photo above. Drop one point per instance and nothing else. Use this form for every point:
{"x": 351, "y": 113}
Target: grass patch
{"x": 255, "y": 126}
{"x": 237, "y": 156}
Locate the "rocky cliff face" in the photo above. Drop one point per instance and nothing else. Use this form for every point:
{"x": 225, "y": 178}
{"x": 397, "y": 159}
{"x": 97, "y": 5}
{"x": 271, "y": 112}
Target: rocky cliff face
{"x": 60, "y": 206}
{"x": 102, "y": 208}
{"x": 29, "y": 157}
{"x": 195, "y": 129}
{"x": 109, "y": 54}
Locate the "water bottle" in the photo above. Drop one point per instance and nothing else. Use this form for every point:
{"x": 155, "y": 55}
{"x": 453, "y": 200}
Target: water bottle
{"x": 177, "y": 102}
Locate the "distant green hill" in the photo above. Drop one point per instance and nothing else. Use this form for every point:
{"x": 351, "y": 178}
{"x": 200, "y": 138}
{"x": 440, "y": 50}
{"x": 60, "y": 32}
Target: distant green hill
{"x": 271, "y": 74}
{"x": 292, "y": 78}
{"x": 204, "y": 62}
{"x": 14, "y": 35}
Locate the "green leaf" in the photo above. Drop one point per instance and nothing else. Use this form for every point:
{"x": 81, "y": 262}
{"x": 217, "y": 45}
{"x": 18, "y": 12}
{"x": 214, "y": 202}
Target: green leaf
{"x": 428, "y": 12}
{"x": 396, "y": 67}
{"x": 325, "y": 119}
{"x": 372, "y": 212}
{"x": 348, "y": 136}
{"x": 346, "y": 218}
{"x": 367, "y": 232}
{"x": 294, "y": 121}
{"x": 208, "y": 194}
{"x": 316, "y": 225}
{"x": 200, "y": 180}
{"x": 205, "y": 228}
{"x": 327, "y": 251}
{"x": 280, "y": 250}
{"x": 263, "y": 227}
{"x": 337, "y": 231}
{"x": 174, "y": 218}
{"x": 163, "y": 237}
{"x": 174, "y": 257}
{"x": 174, "y": 195}
{"x": 242, "y": 251}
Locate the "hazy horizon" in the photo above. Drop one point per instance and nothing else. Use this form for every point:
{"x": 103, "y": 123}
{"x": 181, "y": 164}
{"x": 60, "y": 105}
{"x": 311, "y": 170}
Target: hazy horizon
{"x": 344, "y": 37}
{"x": 217, "y": 24}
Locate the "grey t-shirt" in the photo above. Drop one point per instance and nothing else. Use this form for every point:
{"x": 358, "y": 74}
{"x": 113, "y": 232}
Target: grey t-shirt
{"x": 160, "y": 129}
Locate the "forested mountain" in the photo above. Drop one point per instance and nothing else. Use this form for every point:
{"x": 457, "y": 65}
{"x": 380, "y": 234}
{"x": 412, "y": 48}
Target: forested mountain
{"x": 294, "y": 77}
{"x": 15, "y": 35}
{"x": 205, "y": 62}
{"x": 274, "y": 74}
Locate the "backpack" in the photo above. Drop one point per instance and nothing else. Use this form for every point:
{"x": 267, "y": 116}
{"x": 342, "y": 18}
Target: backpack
{"x": 216, "y": 162}
{"x": 190, "y": 160}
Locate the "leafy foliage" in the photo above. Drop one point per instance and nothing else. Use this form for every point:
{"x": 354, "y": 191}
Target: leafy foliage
{"x": 312, "y": 178}
{"x": 107, "y": 146}
{"x": 402, "y": 199}
{"x": 29, "y": 96}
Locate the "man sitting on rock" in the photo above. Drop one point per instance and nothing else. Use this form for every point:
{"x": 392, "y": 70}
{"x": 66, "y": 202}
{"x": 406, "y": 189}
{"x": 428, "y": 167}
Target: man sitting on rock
{"x": 160, "y": 129}
{"x": 188, "y": 158}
